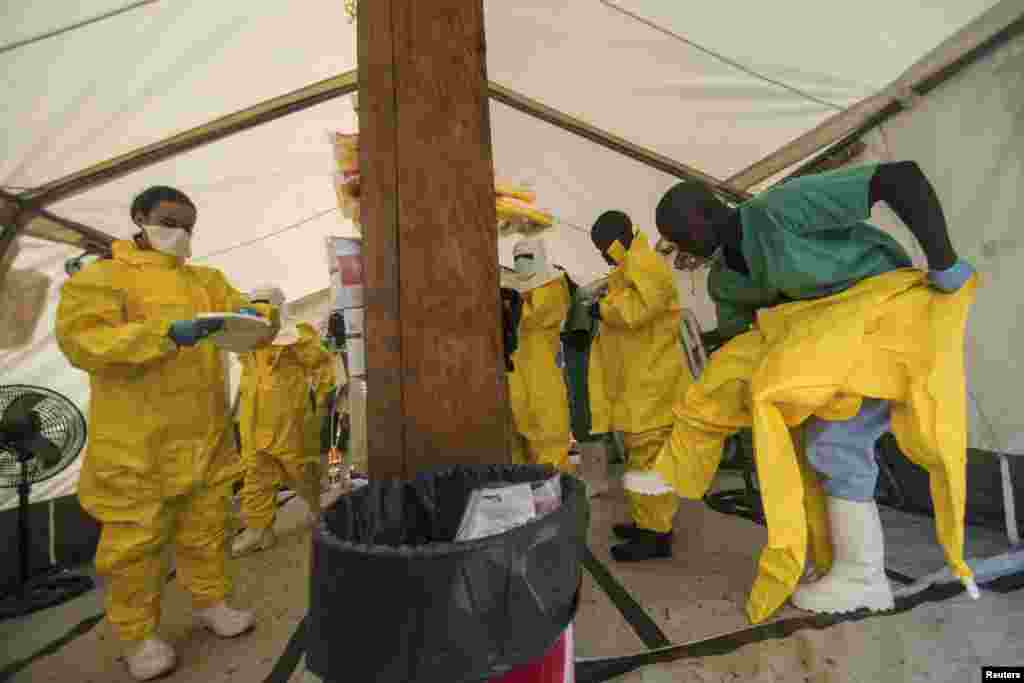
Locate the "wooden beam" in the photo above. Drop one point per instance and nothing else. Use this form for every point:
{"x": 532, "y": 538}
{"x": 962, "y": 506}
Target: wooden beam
{"x": 831, "y": 159}
{"x": 378, "y": 165}
{"x": 46, "y": 226}
{"x": 434, "y": 352}
{"x": 17, "y": 219}
{"x": 264, "y": 112}
{"x": 613, "y": 142}
{"x": 322, "y": 91}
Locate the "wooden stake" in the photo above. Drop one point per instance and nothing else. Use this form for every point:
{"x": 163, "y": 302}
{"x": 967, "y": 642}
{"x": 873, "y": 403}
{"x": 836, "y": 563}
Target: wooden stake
{"x": 435, "y": 369}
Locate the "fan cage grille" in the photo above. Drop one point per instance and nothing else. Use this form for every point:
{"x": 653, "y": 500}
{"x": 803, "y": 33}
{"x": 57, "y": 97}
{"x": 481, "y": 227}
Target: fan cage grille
{"x": 60, "y": 422}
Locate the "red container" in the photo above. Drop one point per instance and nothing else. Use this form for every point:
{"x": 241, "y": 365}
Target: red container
{"x": 556, "y": 666}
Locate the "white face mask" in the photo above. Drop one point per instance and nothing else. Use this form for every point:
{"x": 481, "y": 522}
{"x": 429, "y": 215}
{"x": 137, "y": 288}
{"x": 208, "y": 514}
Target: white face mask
{"x": 526, "y": 266}
{"x": 172, "y": 241}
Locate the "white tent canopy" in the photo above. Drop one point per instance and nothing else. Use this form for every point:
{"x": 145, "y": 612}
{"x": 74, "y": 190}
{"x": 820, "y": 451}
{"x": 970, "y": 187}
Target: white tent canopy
{"x": 716, "y": 89}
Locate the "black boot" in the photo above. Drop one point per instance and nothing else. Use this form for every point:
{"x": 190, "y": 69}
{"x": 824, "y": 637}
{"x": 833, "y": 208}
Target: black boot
{"x": 645, "y": 545}
{"x": 629, "y": 532}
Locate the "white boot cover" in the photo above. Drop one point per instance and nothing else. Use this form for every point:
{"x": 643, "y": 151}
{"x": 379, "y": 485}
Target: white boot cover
{"x": 153, "y": 658}
{"x": 857, "y": 578}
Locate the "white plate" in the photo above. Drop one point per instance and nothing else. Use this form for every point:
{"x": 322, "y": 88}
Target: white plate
{"x": 241, "y": 332}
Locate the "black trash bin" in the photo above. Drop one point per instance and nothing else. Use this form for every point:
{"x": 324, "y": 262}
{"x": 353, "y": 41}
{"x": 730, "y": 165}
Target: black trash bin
{"x": 393, "y": 599}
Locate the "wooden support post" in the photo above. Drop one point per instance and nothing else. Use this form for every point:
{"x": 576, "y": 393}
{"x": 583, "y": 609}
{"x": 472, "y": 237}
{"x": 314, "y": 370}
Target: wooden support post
{"x": 435, "y": 369}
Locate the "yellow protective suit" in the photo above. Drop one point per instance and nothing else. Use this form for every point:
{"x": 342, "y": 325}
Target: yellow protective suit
{"x": 890, "y": 337}
{"x": 161, "y": 457}
{"x": 274, "y": 421}
{"x": 515, "y": 446}
{"x": 638, "y": 363}
{"x": 537, "y": 392}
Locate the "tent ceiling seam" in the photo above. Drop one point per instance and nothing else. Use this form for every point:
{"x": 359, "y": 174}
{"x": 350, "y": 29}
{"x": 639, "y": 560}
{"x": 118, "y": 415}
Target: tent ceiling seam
{"x": 72, "y": 27}
{"x": 722, "y": 58}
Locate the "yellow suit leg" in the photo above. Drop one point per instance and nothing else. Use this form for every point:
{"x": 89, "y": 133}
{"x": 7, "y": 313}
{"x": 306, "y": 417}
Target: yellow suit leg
{"x": 553, "y": 452}
{"x": 517, "y": 449}
{"x": 303, "y": 474}
{"x": 132, "y": 558}
{"x": 201, "y": 545}
{"x": 259, "y": 494}
{"x": 654, "y": 513}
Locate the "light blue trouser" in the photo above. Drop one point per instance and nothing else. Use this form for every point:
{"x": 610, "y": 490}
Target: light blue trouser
{"x": 843, "y": 453}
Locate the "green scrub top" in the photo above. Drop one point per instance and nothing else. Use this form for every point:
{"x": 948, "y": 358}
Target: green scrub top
{"x": 804, "y": 239}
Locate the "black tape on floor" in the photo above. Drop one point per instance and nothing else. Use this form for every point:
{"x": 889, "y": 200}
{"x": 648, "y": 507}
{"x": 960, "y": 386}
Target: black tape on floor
{"x": 899, "y": 578}
{"x": 1006, "y": 584}
{"x": 285, "y": 665}
{"x": 596, "y": 671}
{"x": 646, "y": 628}
{"x": 80, "y": 629}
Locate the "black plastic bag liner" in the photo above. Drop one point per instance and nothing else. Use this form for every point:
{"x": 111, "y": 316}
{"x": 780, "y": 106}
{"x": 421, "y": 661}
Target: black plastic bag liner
{"x": 393, "y": 599}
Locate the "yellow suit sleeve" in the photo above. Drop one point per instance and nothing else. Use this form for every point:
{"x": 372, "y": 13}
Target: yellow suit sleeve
{"x": 544, "y": 307}
{"x": 92, "y": 331}
{"x": 316, "y": 360}
{"x": 649, "y": 293}
{"x": 246, "y": 360}
{"x": 227, "y": 298}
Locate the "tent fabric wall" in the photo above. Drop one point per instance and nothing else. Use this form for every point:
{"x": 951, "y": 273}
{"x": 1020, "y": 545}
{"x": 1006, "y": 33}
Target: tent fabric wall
{"x": 39, "y": 362}
{"x": 967, "y": 136}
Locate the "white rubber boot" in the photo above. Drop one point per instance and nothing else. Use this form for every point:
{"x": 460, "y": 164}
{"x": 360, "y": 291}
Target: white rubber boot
{"x": 857, "y": 578}
{"x": 594, "y": 467}
{"x": 252, "y": 540}
{"x": 152, "y": 658}
{"x": 224, "y": 621}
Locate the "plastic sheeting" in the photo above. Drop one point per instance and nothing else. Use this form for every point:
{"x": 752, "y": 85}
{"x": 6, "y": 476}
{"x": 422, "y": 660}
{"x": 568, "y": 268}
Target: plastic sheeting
{"x": 470, "y": 611}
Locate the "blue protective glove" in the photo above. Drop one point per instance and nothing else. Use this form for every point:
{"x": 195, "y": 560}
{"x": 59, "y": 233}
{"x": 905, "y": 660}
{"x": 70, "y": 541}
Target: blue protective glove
{"x": 952, "y": 278}
{"x": 191, "y": 332}
{"x": 245, "y": 310}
